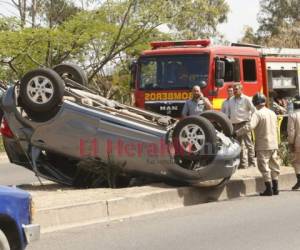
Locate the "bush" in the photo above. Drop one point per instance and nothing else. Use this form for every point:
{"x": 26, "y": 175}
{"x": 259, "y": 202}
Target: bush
{"x": 284, "y": 152}
{"x": 93, "y": 172}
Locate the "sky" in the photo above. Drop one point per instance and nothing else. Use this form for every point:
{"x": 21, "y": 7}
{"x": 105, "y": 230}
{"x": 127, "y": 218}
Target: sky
{"x": 242, "y": 13}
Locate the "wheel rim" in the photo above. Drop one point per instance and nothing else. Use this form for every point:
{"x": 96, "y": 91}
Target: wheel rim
{"x": 192, "y": 138}
{"x": 40, "y": 90}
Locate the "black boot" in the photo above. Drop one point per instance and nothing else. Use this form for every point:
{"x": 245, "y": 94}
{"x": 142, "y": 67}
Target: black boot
{"x": 275, "y": 187}
{"x": 268, "y": 191}
{"x": 297, "y": 185}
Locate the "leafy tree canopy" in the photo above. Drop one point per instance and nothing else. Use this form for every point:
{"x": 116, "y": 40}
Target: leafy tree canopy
{"x": 49, "y": 32}
{"x": 279, "y": 24}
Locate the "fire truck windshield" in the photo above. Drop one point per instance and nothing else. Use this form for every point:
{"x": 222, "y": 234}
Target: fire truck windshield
{"x": 173, "y": 72}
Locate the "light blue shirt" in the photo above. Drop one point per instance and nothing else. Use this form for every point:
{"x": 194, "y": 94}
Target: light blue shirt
{"x": 193, "y": 107}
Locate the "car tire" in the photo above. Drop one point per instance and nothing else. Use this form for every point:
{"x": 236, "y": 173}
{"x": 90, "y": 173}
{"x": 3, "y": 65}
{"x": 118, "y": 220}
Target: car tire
{"x": 194, "y": 138}
{"x": 4, "y": 244}
{"x": 42, "y": 117}
{"x": 73, "y": 72}
{"x": 220, "y": 121}
{"x": 41, "y": 91}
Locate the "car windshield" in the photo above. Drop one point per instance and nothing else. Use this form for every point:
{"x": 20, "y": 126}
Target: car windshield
{"x": 173, "y": 72}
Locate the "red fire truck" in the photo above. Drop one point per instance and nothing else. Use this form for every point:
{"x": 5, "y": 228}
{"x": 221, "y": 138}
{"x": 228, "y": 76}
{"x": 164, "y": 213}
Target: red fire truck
{"x": 164, "y": 75}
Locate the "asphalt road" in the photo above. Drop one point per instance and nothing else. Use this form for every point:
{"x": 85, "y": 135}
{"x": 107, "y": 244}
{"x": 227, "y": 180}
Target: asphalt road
{"x": 247, "y": 223}
{"x": 11, "y": 174}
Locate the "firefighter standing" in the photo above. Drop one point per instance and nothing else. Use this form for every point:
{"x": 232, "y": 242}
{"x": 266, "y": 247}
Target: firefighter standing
{"x": 294, "y": 139}
{"x": 240, "y": 110}
{"x": 264, "y": 124}
{"x": 197, "y": 104}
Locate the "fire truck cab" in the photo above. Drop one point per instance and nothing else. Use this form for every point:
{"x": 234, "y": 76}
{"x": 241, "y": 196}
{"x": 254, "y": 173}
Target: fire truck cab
{"x": 164, "y": 75}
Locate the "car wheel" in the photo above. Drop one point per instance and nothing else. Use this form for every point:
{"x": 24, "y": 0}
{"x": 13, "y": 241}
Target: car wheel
{"x": 73, "y": 72}
{"x": 41, "y": 92}
{"x": 4, "y": 244}
{"x": 194, "y": 138}
{"x": 220, "y": 121}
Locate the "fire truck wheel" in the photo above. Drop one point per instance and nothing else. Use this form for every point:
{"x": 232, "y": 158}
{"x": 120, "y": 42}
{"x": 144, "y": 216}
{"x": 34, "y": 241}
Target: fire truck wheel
{"x": 194, "y": 138}
{"x": 41, "y": 91}
{"x": 73, "y": 72}
{"x": 220, "y": 121}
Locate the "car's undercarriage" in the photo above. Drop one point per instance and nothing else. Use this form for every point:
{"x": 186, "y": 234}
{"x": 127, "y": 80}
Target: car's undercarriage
{"x": 54, "y": 119}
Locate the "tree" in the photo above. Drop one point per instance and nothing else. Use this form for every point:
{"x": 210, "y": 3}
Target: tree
{"x": 288, "y": 36}
{"x": 193, "y": 19}
{"x": 250, "y": 36}
{"x": 135, "y": 21}
{"x": 107, "y": 36}
{"x": 54, "y": 12}
{"x": 9, "y": 24}
{"x": 45, "y": 12}
{"x": 21, "y": 6}
{"x": 279, "y": 24}
{"x": 275, "y": 14}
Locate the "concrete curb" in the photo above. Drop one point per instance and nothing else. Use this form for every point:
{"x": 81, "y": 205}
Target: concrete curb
{"x": 159, "y": 199}
{"x": 130, "y": 203}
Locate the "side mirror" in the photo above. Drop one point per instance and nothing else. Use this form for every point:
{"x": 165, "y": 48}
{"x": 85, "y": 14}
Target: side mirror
{"x": 133, "y": 69}
{"x": 219, "y": 72}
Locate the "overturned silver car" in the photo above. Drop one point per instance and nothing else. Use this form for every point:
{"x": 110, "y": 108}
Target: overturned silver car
{"x": 52, "y": 123}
